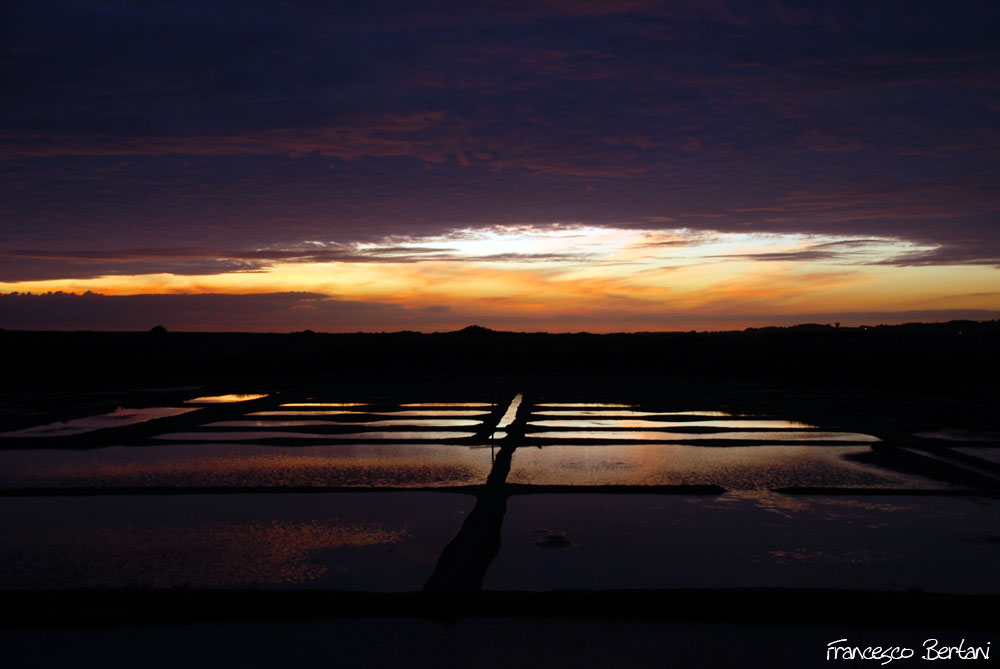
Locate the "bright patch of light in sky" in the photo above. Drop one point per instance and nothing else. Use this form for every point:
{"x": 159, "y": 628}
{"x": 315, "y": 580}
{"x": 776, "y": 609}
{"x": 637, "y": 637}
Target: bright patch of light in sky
{"x": 593, "y": 277}
{"x": 583, "y": 244}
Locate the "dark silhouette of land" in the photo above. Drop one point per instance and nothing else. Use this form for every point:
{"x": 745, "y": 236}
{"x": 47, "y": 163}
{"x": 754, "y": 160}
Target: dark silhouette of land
{"x": 916, "y": 376}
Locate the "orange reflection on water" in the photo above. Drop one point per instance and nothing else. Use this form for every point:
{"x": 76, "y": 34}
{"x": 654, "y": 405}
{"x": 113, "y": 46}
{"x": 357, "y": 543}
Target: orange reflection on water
{"x": 412, "y": 422}
{"x": 290, "y": 434}
{"x": 325, "y": 404}
{"x": 621, "y": 423}
{"x": 301, "y": 413}
{"x": 642, "y": 435}
{"x": 627, "y": 412}
{"x": 205, "y": 465}
{"x": 223, "y": 399}
{"x": 583, "y": 405}
{"x": 447, "y": 404}
{"x": 733, "y": 468}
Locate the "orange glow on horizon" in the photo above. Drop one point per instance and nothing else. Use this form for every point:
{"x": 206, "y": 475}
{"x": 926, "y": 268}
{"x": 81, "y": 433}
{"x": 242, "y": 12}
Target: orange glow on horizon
{"x": 612, "y": 280}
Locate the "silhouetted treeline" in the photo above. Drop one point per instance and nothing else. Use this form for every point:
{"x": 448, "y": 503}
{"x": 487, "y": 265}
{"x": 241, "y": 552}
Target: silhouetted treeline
{"x": 960, "y": 358}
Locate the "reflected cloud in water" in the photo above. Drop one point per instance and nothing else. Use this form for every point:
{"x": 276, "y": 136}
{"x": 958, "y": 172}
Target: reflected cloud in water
{"x": 733, "y": 468}
{"x": 324, "y": 404}
{"x": 638, "y": 435}
{"x": 224, "y": 399}
{"x": 584, "y": 405}
{"x": 639, "y": 422}
{"x": 447, "y": 404}
{"x": 629, "y": 413}
{"x": 290, "y": 434}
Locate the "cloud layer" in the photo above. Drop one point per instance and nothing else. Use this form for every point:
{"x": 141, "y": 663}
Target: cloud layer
{"x": 201, "y": 138}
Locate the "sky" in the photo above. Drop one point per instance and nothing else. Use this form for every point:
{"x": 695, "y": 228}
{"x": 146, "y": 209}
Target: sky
{"x": 560, "y": 165}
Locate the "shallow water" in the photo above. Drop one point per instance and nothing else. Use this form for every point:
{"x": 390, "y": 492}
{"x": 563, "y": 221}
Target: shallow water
{"x": 584, "y": 405}
{"x": 639, "y": 435}
{"x": 205, "y": 465}
{"x": 116, "y": 418}
{"x": 748, "y": 540}
{"x": 733, "y": 468}
{"x": 324, "y": 404}
{"x": 351, "y": 412}
{"x": 990, "y": 454}
{"x": 640, "y": 422}
{"x": 344, "y": 541}
{"x": 411, "y": 422}
{"x": 954, "y": 434}
{"x": 208, "y": 435}
{"x": 447, "y": 404}
{"x": 626, "y": 413}
{"x": 304, "y": 413}
{"x": 223, "y": 399}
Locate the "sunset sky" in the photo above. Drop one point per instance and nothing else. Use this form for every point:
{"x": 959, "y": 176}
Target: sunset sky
{"x": 557, "y": 165}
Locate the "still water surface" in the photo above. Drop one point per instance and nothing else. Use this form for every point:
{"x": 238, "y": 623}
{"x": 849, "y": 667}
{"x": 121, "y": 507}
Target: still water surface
{"x": 733, "y": 468}
{"x": 116, "y": 418}
{"x": 344, "y": 541}
{"x": 204, "y": 465}
{"x": 754, "y": 539}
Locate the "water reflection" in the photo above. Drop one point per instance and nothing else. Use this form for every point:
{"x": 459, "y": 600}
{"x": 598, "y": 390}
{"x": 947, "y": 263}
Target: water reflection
{"x": 116, "y": 418}
{"x": 511, "y": 412}
{"x": 584, "y": 405}
{"x": 347, "y": 541}
{"x": 628, "y": 413}
{"x": 431, "y": 412}
{"x": 206, "y": 465}
{"x": 266, "y": 423}
{"x": 956, "y": 434}
{"x": 340, "y": 412}
{"x": 351, "y": 412}
{"x": 991, "y": 454}
{"x": 659, "y": 541}
{"x": 613, "y": 435}
{"x": 224, "y": 399}
{"x": 447, "y": 404}
{"x": 639, "y": 422}
{"x": 733, "y": 468}
{"x": 252, "y": 436}
{"x": 324, "y": 404}
{"x": 412, "y": 422}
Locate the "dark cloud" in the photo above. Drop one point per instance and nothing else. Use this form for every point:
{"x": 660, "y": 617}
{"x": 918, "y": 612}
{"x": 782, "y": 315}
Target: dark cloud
{"x": 239, "y": 126}
{"x": 25, "y": 265}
